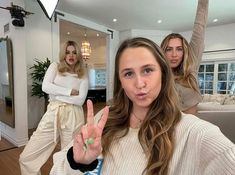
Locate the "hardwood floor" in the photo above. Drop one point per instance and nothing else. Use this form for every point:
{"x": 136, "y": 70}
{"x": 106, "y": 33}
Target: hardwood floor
{"x": 9, "y": 154}
{"x": 6, "y": 145}
{"x": 9, "y": 161}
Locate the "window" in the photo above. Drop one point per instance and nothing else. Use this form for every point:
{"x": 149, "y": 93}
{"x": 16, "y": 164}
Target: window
{"x": 217, "y": 77}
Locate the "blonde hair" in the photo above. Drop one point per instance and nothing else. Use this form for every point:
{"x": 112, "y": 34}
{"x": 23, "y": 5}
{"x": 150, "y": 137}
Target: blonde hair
{"x": 156, "y": 134}
{"x": 183, "y": 73}
{"x": 63, "y": 66}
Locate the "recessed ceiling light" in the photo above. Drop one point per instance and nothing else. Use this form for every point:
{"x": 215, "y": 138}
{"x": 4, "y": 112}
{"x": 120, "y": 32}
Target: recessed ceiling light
{"x": 114, "y": 20}
{"x": 159, "y": 21}
{"x": 215, "y": 20}
{"x": 68, "y": 33}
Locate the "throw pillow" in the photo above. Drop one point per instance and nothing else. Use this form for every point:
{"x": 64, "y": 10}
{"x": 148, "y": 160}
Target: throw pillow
{"x": 229, "y": 100}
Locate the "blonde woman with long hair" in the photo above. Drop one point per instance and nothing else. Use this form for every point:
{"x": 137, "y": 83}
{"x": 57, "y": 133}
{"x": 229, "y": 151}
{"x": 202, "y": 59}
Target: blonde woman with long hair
{"x": 67, "y": 85}
{"x": 184, "y": 59}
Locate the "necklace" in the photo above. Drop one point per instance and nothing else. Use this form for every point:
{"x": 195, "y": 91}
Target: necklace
{"x": 139, "y": 120}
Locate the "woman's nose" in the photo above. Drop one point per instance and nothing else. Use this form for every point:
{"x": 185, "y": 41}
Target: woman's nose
{"x": 140, "y": 82}
{"x": 174, "y": 53}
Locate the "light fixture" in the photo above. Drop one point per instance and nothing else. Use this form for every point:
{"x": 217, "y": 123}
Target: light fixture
{"x": 86, "y": 49}
{"x": 159, "y": 21}
{"x": 48, "y": 6}
{"x": 215, "y": 20}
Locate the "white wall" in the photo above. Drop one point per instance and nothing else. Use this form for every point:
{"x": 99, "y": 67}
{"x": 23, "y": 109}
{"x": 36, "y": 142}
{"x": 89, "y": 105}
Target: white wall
{"x": 155, "y": 35}
{"x": 39, "y": 45}
{"x": 218, "y": 38}
{"x": 17, "y": 135}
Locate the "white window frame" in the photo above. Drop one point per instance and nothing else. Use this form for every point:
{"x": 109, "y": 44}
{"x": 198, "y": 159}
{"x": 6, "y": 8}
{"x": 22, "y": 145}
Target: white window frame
{"x": 215, "y": 79}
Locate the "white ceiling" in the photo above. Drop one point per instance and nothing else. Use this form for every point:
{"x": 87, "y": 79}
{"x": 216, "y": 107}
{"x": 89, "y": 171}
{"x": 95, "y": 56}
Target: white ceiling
{"x": 78, "y": 31}
{"x": 176, "y": 15}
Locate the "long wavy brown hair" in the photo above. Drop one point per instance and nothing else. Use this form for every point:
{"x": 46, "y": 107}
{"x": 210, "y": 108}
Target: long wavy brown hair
{"x": 156, "y": 134}
{"x": 183, "y": 73}
{"x": 64, "y": 67}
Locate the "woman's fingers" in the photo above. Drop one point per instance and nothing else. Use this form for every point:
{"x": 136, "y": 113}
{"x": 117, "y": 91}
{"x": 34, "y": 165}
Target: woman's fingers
{"x": 79, "y": 139}
{"x": 84, "y": 133}
{"x": 103, "y": 118}
{"x": 90, "y": 113}
{"x": 78, "y": 145}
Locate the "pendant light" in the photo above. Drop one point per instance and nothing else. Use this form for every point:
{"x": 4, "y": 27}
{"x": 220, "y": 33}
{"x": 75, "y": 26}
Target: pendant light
{"x": 86, "y": 48}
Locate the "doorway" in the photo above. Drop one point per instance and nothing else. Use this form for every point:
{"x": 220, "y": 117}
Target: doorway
{"x": 96, "y": 63}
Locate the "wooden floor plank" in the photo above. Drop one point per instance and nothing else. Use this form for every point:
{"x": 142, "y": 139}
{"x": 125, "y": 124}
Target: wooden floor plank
{"x": 5, "y": 145}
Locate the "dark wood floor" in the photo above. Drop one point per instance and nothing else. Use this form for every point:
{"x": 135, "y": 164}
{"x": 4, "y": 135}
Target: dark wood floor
{"x": 9, "y": 164}
{"x": 9, "y": 154}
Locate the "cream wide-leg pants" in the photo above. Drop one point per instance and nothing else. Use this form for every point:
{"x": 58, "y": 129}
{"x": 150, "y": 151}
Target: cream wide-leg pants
{"x": 59, "y": 122}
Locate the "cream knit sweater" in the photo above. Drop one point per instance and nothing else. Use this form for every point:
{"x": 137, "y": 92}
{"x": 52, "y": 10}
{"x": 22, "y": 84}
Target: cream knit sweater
{"x": 201, "y": 149}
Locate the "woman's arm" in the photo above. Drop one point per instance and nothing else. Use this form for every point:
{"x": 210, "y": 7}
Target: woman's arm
{"x": 48, "y": 85}
{"x": 191, "y": 110}
{"x": 198, "y": 35}
{"x": 83, "y": 153}
{"x": 76, "y": 99}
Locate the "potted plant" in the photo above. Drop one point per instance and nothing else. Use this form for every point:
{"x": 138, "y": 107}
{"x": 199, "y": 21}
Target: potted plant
{"x": 37, "y": 75}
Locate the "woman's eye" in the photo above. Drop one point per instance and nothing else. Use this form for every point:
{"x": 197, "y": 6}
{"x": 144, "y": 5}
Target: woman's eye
{"x": 168, "y": 49}
{"x": 148, "y": 70}
{"x": 127, "y": 74}
{"x": 180, "y": 49}
{"x": 68, "y": 52}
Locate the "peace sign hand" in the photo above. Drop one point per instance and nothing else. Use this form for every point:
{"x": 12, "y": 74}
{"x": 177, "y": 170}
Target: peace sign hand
{"x": 87, "y": 143}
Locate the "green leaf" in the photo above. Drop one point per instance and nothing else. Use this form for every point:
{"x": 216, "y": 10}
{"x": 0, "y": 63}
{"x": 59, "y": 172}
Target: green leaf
{"x": 37, "y": 74}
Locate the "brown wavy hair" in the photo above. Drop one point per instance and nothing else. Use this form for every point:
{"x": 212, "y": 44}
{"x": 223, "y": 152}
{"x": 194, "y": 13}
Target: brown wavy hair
{"x": 64, "y": 67}
{"x": 184, "y": 74}
{"x": 156, "y": 134}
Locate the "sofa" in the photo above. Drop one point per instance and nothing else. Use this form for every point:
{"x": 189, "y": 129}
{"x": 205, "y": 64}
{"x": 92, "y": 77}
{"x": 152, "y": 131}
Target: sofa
{"x": 219, "y": 109}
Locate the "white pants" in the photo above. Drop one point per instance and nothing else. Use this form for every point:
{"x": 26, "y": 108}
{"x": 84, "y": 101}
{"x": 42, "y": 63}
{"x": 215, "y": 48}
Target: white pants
{"x": 59, "y": 122}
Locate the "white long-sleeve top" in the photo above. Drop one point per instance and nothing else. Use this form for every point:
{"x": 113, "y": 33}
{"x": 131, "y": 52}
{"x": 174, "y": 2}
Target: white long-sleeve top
{"x": 59, "y": 86}
{"x": 200, "y": 149}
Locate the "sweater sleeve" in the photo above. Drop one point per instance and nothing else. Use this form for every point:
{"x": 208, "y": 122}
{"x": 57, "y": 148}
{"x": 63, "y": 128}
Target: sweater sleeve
{"x": 78, "y": 99}
{"x": 49, "y": 87}
{"x": 61, "y": 165}
{"x": 217, "y": 155}
{"x": 198, "y": 35}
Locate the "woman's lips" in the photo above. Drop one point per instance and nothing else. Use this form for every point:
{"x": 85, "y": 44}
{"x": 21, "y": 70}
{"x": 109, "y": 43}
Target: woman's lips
{"x": 71, "y": 60}
{"x": 173, "y": 61}
{"x": 141, "y": 95}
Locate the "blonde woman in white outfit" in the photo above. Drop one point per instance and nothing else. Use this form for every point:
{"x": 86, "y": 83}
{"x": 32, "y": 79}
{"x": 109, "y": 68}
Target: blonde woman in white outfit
{"x": 67, "y": 85}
